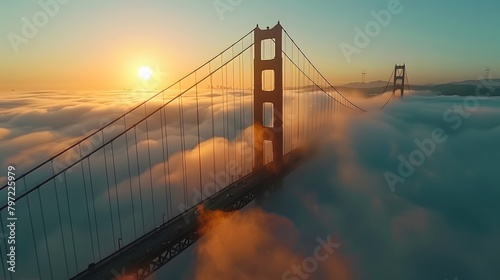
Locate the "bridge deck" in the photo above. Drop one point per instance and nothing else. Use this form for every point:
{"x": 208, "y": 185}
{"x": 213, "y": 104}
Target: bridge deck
{"x": 148, "y": 253}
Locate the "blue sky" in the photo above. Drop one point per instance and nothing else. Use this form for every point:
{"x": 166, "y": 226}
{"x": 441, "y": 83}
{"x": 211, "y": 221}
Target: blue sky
{"x": 99, "y": 44}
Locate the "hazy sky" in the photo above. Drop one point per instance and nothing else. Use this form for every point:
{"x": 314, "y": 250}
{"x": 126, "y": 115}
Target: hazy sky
{"x": 101, "y": 44}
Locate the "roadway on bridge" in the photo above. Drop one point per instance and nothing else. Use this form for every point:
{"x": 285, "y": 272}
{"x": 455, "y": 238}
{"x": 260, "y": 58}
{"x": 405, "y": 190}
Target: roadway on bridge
{"x": 142, "y": 251}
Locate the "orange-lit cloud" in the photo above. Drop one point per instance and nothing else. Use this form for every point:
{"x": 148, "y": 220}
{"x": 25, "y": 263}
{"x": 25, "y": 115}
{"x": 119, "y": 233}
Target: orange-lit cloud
{"x": 3, "y": 133}
{"x": 253, "y": 244}
{"x": 245, "y": 245}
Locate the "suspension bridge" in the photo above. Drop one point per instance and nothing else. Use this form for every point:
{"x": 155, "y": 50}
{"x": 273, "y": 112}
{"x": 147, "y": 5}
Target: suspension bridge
{"x": 125, "y": 199}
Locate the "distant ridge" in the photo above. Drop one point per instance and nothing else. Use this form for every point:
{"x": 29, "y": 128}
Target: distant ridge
{"x": 492, "y": 82}
{"x": 463, "y": 88}
{"x": 376, "y": 84}
{"x": 372, "y": 84}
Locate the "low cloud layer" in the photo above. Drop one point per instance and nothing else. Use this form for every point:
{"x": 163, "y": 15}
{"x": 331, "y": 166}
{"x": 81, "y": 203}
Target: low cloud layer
{"x": 149, "y": 175}
{"x": 439, "y": 221}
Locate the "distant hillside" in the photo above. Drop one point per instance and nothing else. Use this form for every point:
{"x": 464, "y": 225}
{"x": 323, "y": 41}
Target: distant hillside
{"x": 366, "y": 85}
{"x": 493, "y": 82}
{"x": 366, "y": 92}
{"x": 464, "y": 88}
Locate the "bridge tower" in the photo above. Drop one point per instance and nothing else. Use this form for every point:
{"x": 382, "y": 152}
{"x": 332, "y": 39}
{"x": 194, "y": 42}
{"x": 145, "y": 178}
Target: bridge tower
{"x": 399, "y": 79}
{"x": 263, "y": 97}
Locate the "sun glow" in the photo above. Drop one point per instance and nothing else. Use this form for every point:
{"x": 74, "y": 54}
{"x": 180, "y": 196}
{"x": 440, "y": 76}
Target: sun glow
{"x": 145, "y": 73}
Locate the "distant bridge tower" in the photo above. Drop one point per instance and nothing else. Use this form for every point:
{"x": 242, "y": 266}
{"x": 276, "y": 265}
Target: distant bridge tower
{"x": 487, "y": 77}
{"x": 273, "y": 97}
{"x": 363, "y": 76}
{"x": 399, "y": 79}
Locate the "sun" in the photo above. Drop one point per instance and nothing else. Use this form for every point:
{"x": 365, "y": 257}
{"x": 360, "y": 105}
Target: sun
{"x": 145, "y": 73}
